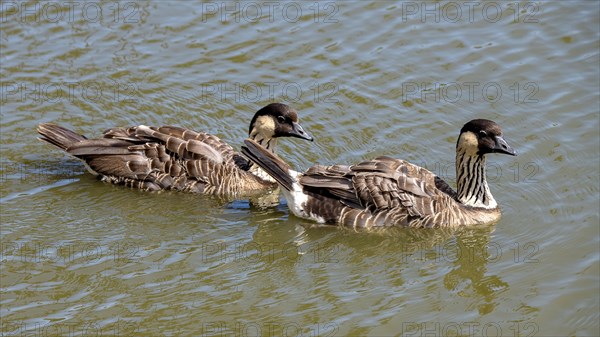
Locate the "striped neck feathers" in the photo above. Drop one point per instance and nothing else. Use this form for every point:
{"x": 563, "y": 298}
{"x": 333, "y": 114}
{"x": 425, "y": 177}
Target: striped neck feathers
{"x": 268, "y": 143}
{"x": 471, "y": 181}
{"x": 262, "y": 133}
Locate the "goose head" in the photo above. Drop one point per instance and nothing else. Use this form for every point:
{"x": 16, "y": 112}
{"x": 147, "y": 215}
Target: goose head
{"x": 477, "y": 138}
{"x": 277, "y": 120}
{"x": 482, "y": 136}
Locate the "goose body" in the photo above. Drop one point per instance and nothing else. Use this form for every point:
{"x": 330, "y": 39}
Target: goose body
{"x": 387, "y": 192}
{"x": 174, "y": 158}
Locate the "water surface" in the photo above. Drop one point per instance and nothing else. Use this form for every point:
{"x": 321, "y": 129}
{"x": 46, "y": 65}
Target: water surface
{"x": 80, "y": 257}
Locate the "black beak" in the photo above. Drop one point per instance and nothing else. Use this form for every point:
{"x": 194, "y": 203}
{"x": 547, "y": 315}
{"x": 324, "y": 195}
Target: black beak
{"x": 503, "y": 147}
{"x": 298, "y": 131}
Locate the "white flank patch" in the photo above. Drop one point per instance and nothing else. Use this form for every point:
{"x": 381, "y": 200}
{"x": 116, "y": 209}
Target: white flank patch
{"x": 296, "y": 200}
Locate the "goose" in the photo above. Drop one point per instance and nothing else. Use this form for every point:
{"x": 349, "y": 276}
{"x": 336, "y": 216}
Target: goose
{"x": 386, "y": 192}
{"x": 174, "y": 158}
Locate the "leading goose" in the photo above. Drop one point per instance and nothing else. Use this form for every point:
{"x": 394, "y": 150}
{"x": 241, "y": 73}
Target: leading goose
{"x": 392, "y": 192}
{"x": 174, "y": 158}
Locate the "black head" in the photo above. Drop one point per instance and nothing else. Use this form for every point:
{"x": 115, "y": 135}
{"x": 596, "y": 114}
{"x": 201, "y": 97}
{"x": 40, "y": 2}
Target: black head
{"x": 278, "y": 120}
{"x": 482, "y": 136}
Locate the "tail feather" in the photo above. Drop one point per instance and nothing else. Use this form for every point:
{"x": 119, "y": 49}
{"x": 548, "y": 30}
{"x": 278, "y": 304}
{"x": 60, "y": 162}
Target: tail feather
{"x": 58, "y": 136}
{"x": 269, "y": 162}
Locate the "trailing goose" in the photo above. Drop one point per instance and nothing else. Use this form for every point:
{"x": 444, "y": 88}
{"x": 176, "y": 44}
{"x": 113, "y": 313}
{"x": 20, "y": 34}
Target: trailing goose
{"x": 391, "y": 192}
{"x": 174, "y": 158}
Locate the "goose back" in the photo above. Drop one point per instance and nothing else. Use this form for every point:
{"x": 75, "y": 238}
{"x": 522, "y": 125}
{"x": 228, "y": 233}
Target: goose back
{"x": 175, "y": 158}
{"x": 385, "y": 192}
{"x": 162, "y": 158}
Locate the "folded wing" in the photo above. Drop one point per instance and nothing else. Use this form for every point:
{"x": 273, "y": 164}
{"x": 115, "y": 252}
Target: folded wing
{"x": 153, "y": 158}
{"x": 383, "y": 187}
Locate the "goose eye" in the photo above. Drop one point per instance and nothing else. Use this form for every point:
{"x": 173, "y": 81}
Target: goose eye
{"x": 482, "y": 133}
{"x": 281, "y": 119}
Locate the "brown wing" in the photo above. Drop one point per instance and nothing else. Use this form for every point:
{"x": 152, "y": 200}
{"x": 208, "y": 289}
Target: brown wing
{"x": 382, "y": 191}
{"x": 385, "y": 184}
{"x": 331, "y": 181}
{"x": 162, "y": 158}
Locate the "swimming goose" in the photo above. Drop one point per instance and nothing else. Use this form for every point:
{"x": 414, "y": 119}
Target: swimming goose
{"x": 391, "y": 192}
{"x": 174, "y": 158}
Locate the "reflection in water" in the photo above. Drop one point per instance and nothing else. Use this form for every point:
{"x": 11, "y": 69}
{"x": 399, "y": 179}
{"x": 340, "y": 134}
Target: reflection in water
{"x": 472, "y": 253}
{"x": 363, "y": 264}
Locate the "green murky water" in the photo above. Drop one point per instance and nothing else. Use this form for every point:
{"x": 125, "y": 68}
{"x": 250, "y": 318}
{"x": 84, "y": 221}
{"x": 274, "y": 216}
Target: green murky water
{"x": 80, "y": 257}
